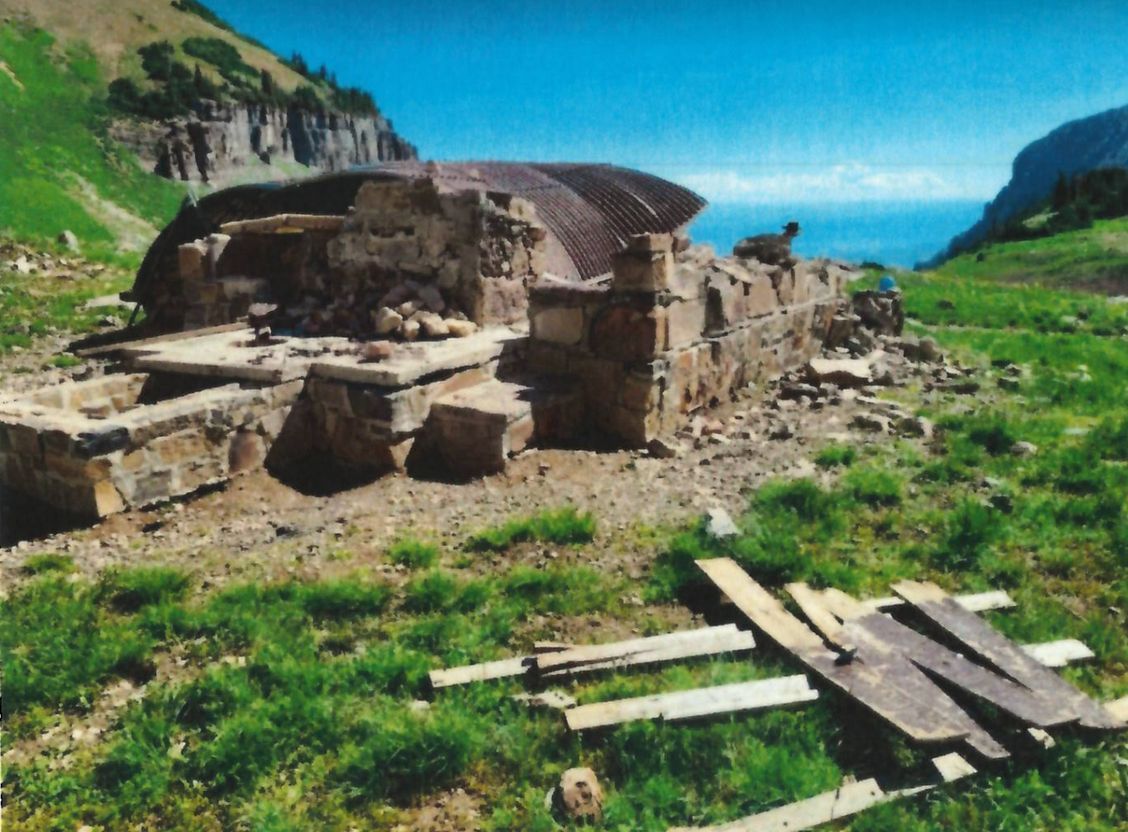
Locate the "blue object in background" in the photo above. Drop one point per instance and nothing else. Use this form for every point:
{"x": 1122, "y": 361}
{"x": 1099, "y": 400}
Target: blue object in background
{"x": 887, "y": 284}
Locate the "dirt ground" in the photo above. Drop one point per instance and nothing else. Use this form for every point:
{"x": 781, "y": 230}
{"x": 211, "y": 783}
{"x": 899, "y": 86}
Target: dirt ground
{"x": 258, "y": 527}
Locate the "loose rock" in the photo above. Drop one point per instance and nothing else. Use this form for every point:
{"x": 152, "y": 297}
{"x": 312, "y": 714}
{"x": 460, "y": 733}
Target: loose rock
{"x": 579, "y": 795}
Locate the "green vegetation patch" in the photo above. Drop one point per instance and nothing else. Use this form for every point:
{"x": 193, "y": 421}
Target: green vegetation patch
{"x": 412, "y": 553}
{"x": 55, "y": 130}
{"x": 564, "y": 525}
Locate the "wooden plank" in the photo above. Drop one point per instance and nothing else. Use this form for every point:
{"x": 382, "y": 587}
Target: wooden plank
{"x": 739, "y": 641}
{"x": 480, "y": 672}
{"x": 1118, "y": 709}
{"x": 843, "y": 607}
{"x": 813, "y": 605}
{"x": 655, "y": 649}
{"x": 1058, "y": 653}
{"x": 707, "y": 640}
{"x": 694, "y": 703}
{"x": 975, "y": 602}
{"x": 848, "y": 799}
{"x": 955, "y": 669}
{"x": 759, "y": 605}
{"x": 882, "y": 680}
{"x": 156, "y": 340}
{"x": 990, "y": 646}
{"x": 953, "y": 767}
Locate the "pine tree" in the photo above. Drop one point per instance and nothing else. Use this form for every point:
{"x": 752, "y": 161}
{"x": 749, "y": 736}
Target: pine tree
{"x": 1061, "y": 192}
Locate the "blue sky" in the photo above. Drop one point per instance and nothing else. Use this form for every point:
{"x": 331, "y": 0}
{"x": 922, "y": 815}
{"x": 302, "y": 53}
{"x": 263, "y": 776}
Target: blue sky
{"x": 745, "y": 101}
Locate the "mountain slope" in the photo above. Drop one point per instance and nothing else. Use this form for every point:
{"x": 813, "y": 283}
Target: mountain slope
{"x": 1098, "y": 141}
{"x": 116, "y": 29}
{"x": 95, "y": 97}
{"x": 57, "y": 170}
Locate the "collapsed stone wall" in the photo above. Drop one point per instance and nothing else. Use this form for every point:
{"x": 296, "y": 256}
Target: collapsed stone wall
{"x": 470, "y": 251}
{"x": 410, "y": 260}
{"x": 97, "y": 447}
{"x": 677, "y": 331}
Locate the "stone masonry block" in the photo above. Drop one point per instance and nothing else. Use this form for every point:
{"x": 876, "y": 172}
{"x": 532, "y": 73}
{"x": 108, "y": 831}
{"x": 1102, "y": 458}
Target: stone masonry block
{"x": 564, "y": 325}
{"x": 685, "y": 322}
{"x": 192, "y": 261}
{"x": 626, "y": 333}
{"x": 641, "y": 271}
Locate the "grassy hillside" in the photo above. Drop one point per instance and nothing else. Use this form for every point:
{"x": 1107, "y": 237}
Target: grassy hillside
{"x": 1093, "y": 259}
{"x": 116, "y": 29}
{"x": 57, "y": 168}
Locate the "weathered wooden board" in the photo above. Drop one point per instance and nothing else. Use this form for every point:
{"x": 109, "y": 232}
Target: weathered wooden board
{"x": 996, "y": 599}
{"x": 848, "y": 799}
{"x": 813, "y": 604}
{"x": 760, "y": 606}
{"x": 972, "y": 632}
{"x": 480, "y": 672}
{"x": 882, "y": 680}
{"x": 1058, "y": 653}
{"x": 952, "y": 767}
{"x": 957, "y": 670}
{"x": 157, "y": 340}
{"x": 740, "y": 641}
{"x": 688, "y": 640}
{"x": 1118, "y": 709}
{"x": 844, "y": 607}
{"x": 695, "y": 703}
{"x": 707, "y": 641}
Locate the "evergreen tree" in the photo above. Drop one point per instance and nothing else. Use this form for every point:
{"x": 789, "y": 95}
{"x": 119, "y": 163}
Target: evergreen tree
{"x": 1061, "y": 193}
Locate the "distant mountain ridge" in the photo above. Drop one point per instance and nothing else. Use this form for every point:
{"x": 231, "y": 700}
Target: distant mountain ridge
{"x": 1097, "y": 141}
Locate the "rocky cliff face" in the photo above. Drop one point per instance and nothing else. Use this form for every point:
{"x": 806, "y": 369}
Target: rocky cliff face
{"x": 1099, "y": 141}
{"x": 222, "y": 144}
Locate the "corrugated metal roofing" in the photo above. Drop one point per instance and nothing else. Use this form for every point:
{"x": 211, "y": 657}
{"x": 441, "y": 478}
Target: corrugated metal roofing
{"x": 590, "y": 208}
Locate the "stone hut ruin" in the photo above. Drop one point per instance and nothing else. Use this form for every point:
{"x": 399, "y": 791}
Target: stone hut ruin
{"x": 435, "y": 314}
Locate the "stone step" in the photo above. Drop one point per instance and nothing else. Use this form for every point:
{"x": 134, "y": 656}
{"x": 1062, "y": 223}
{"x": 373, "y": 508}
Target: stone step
{"x": 476, "y": 429}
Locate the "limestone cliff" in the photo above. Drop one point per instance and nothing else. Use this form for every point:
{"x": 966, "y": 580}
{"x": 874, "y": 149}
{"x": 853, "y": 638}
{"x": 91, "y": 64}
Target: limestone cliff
{"x": 1098, "y": 141}
{"x": 221, "y": 143}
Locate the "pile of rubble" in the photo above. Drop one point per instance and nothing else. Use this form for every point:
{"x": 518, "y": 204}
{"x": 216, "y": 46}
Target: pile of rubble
{"x": 19, "y": 259}
{"x": 411, "y": 310}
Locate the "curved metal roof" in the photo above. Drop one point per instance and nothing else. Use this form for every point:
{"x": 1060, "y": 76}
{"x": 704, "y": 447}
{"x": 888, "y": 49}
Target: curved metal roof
{"x": 591, "y": 209}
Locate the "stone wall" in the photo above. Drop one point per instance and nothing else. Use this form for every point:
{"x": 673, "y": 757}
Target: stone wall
{"x": 677, "y": 331}
{"x": 469, "y": 251}
{"x": 411, "y": 260}
{"x": 97, "y": 447}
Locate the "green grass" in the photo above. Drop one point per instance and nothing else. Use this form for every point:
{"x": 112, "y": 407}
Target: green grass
{"x": 1094, "y": 257}
{"x": 412, "y": 553}
{"x": 836, "y": 456}
{"x": 32, "y": 306}
{"x": 564, "y": 525}
{"x": 55, "y": 130}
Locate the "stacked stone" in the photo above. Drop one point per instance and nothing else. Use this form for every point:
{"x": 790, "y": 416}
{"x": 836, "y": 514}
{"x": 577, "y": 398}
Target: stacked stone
{"x": 413, "y": 310}
{"x": 463, "y": 255}
{"x": 211, "y": 299}
{"x": 90, "y": 448}
{"x": 677, "y": 330}
{"x": 374, "y": 427}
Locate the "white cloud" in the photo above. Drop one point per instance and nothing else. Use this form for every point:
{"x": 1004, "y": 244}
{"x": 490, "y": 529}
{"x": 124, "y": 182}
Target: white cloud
{"x": 841, "y": 183}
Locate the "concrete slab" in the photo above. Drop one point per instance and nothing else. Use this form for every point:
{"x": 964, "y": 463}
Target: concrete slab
{"x": 230, "y": 355}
